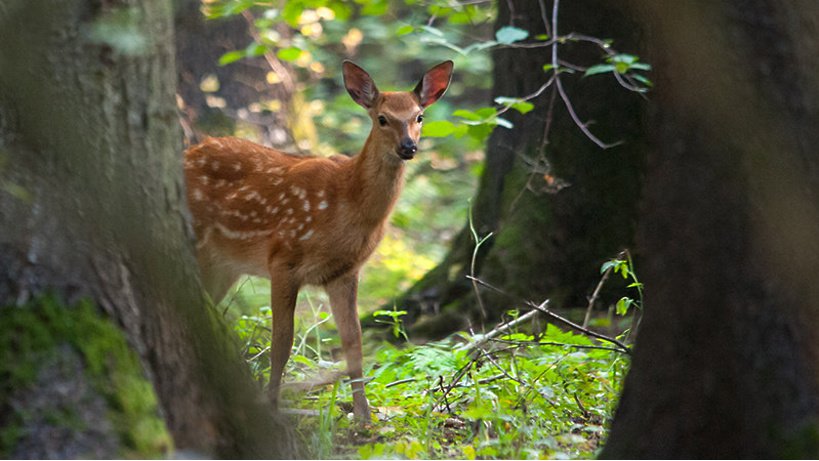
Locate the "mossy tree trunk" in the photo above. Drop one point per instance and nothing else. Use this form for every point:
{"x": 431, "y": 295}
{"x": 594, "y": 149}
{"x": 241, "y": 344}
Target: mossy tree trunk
{"x": 546, "y": 243}
{"x": 726, "y": 364}
{"x": 92, "y": 207}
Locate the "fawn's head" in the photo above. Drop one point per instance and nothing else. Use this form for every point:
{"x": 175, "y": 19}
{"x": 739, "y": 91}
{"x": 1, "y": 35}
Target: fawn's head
{"x": 397, "y": 116}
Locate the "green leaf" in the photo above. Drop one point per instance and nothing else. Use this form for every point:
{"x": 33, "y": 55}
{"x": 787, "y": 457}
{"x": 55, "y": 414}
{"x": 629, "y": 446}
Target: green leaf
{"x": 607, "y": 265}
{"x": 504, "y": 123}
{"x": 642, "y": 79}
{"x": 622, "y": 67}
{"x": 438, "y": 128}
{"x": 515, "y": 103}
{"x": 289, "y": 54}
{"x": 623, "y": 304}
{"x": 599, "y": 69}
{"x": 255, "y": 49}
{"x": 480, "y": 132}
{"x": 548, "y": 67}
{"x": 486, "y": 112}
{"x": 510, "y": 34}
{"x": 404, "y": 30}
{"x": 467, "y": 114}
{"x": 231, "y": 56}
{"x": 374, "y": 8}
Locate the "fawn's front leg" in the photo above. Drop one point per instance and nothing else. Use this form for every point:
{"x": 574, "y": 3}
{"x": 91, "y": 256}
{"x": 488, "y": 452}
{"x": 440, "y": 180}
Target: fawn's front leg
{"x": 343, "y": 293}
{"x": 283, "y": 294}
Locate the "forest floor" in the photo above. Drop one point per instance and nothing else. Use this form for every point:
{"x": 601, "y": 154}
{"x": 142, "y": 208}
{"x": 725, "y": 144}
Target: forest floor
{"x": 516, "y": 395}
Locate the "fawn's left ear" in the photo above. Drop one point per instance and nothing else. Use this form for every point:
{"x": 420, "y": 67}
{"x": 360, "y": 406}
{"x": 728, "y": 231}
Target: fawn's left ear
{"x": 434, "y": 83}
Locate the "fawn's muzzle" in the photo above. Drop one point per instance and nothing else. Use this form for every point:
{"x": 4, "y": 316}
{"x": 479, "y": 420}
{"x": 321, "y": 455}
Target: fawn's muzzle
{"x": 407, "y": 148}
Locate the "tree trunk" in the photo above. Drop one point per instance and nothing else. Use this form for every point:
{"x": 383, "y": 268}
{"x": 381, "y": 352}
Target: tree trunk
{"x": 725, "y": 365}
{"x": 546, "y": 243}
{"x": 92, "y": 208}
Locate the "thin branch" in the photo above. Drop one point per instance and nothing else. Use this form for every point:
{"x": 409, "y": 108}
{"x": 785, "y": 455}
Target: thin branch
{"x": 399, "y": 382}
{"x": 580, "y": 124}
{"x": 274, "y": 63}
{"x": 500, "y": 329}
{"x": 622, "y": 347}
{"x": 594, "y": 296}
{"x": 554, "y": 343}
{"x": 532, "y": 95}
{"x": 500, "y": 368}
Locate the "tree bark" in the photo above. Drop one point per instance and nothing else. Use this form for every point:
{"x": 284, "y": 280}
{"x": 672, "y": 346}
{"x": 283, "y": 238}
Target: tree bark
{"x": 547, "y": 243}
{"x": 92, "y": 207}
{"x": 725, "y": 364}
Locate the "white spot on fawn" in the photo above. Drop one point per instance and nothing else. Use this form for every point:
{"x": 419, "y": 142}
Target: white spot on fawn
{"x": 241, "y": 235}
{"x": 237, "y": 166}
{"x": 204, "y": 179}
{"x": 307, "y": 235}
{"x": 306, "y": 205}
{"x": 198, "y": 195}
{"x": 322, "y": 205}
{"x": 215, "y": 165}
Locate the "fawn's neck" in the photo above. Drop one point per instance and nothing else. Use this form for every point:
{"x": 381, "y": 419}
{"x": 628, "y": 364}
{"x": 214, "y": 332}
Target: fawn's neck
{"x": 377, "y": 178}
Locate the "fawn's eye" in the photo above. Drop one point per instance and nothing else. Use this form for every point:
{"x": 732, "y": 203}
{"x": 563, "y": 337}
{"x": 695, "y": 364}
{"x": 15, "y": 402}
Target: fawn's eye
{"x": 420, "y": 119}
{"x": 382, "y": 120}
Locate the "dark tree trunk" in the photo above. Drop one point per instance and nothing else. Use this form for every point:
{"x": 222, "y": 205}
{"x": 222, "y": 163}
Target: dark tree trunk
{"x": 92, "y": 207}
{"x": 725, "y": 364}
{"x": 547, "y": 243}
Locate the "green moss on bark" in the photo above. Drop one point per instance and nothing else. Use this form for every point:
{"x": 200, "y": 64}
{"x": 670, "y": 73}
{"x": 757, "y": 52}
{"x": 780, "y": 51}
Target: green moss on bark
{"x": 38, "y": 343}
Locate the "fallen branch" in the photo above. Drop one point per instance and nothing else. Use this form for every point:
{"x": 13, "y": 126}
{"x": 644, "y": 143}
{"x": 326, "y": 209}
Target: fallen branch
{"x": 621, "y": 347}
{"x": 483, "y": 339}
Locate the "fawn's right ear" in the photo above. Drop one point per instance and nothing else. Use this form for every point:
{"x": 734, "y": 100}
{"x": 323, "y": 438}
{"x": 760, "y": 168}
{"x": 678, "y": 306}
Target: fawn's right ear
{"x": 359, "y": 84}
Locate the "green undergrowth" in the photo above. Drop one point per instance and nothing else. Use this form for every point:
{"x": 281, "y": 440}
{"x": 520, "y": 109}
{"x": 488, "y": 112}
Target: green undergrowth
{"x": 33, "y": 336}
{"x": 519, "y": 395}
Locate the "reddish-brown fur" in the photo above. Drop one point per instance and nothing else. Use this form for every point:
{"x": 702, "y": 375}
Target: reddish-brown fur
{"x": 306, "y": 220}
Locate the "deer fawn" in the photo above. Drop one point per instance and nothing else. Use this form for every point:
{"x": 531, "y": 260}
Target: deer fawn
{"x": 306, "y": 220}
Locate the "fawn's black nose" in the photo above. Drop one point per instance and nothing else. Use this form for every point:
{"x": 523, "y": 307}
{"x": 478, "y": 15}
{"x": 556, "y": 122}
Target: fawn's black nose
{"x": 407, "y": 149}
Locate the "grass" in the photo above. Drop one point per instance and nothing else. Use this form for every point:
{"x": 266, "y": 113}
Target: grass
{"x": 519, "y": 395}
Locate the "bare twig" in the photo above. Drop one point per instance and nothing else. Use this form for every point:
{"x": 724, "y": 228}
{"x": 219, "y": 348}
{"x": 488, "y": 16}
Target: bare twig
{"x": 553, "y": 343}
{"x": 545, "y": 18}
{"x": 594, "y": 296}
{"x": 400, "y": 381}
{"x": 472, "y": 265}
{"x": 274, "y": 63}
{"x": 500, "y": 329}
{"x": 500, "y": 368}
{"x": 620, "y": 345}
{"x": 580, "y": 124}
